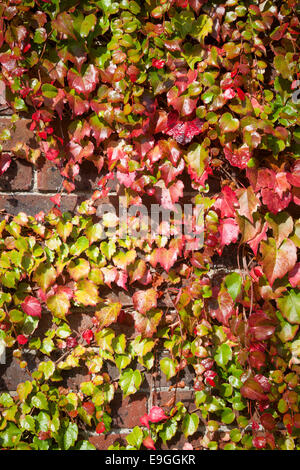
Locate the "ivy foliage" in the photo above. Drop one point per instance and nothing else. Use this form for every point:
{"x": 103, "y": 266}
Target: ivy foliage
{"x": 151, "y": 92}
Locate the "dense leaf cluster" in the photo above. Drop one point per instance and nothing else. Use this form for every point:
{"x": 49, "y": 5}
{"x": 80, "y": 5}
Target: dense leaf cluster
{"x": 151, "y": 92}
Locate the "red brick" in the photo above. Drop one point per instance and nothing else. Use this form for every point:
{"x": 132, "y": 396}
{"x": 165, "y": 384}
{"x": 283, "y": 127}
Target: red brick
{"x": 21, "y": 135}
{"x": 48, "y": 177}
{"x": 34, "y": 203}
{"x": 11, "y": 374}
{"x": 18, "y": 177}
{"x": 103, "y": 441}
{"x": 185, "y": 396}
{"x": 126, "y": 413}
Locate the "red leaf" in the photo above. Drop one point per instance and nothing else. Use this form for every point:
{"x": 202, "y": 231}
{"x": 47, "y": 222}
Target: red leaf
{"x": 268, "y": 421}
{"x": 100, "y": 428}
{"x": 32, "y": 306}
{"x": 294, "y": 276}
{"x": 238, "y": 157}
{"x": 52, "y": 154}
{"x": 229, "y": 93}
{"x": 158, "y": 63}
{"x": 156, "y": 414}
{"x": 165, "y": 257}
{"x": 149, "y": 443}
{"x": 229, "y": 231}
{"x": 144, "y": 300}
{"x": 5, "y": 161}
{"x": 263, "y": 381}
{"x": 253, "y": 390}
{"x": 89, "y": 407}
{"x": 259, "y": 442}
{"x": 84, "y": 84}
{"x": 145, "y": 421}
{"x": 88, "y": 335}
{"x": 184, "y": 132}
{"x": 56, "y": 199}
{"x": 22, "y": 339}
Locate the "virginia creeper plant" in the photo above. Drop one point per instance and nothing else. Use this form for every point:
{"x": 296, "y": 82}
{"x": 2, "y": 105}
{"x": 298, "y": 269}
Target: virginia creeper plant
{"x": 158, "y": 94}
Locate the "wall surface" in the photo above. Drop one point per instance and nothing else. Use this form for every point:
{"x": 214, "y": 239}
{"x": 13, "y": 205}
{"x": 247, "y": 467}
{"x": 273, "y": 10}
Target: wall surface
{"x": 27, "y": 188}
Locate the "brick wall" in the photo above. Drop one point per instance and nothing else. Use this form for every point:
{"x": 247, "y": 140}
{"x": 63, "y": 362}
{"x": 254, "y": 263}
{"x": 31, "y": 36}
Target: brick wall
{"x": 28, "y": 188}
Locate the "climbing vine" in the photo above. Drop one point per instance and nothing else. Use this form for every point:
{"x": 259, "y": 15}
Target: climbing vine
{"x": 161, "y": 96}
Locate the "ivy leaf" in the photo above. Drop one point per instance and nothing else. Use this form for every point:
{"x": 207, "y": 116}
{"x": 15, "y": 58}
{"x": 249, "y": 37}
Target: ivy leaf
{"x": 24, "y": 389}
{"x": 79, "y": 269}
{"x": 63, "y": 23}
{"x": 70, "y": 435}
{"x": 145, "y": 300}
{"x": 168, "y": 367}
{"x": 147, "y": 323}
{"x": 49, "y": 91}
{"x": 223, "y": 355}
{"x": 44, "y": 276}
{"x": 196, "y": 158}
{"x": 86, "y": 293}
{"x": 228, "y": 123}
{"x": 32, "y": 306}
{"x": 168, "y": 431}
{"x": 122, "y": 260}
{"x": 135, "y": 438}
{"x": 130, "y": 381}
{"x": 48, "y": 368}
{"x": 253, "y": 390}
{"x": 84, "y": 84}
{"x": 277, "y": 262}
{"x": 87, "y": 25}
{"x": 190, "y": 424}
{"x": 10, "y": 436}
{"x": 233, "y": 283}
{"x": 108, "y": 315}
{"x": 79, "y": 246}
{"x": 202, "y": 27}
{"x": 59, "y": 304}
{"x": 282, "y": 225}
{"x": 289, "y": 305}
{"x": 248, "y": 203}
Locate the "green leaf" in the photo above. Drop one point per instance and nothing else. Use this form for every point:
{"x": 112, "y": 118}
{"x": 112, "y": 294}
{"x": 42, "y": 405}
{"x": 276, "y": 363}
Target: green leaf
{"x": 289, "y": 306}
{"x": 6, "y": 400}
{"x": 40, "y": 401}
{"x": 202, "y": 27}
{"x": 223, "y": 355}
{"x": 79, "y": 246}
{"x": 49, "y": 91}
{"x": 86, "y": 293}
{"x": 24, "y": 389}
{"x": 168, "y": 367}
{"x": 190, "y": 424}
{"x": 168, "y": 431}
{"x": 44, "y": 276}
{"x": 27, "y": 423}
{"x": 227, "y": 416}
{"x": 130, "y": 381}
{"x": 135, "y": 438}
{"x": 196, "y": 158}
{"x": 10, "y": 436}
{"x": 87, "y": 25}
{"x": 183, "y": 22}
{"x": 48, "y": 368}
{"x": 233, "y": 283}
{"x": 70, "y": 435}
{"x": 228, "y": 123}
{"x": 59, "y": 304}
{"x": 108, "y": 315}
